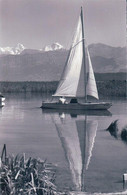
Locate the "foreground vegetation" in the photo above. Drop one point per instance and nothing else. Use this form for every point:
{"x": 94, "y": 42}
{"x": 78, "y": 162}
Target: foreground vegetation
{"x": 19, "y": 176}
{"x": 115, "y": 88}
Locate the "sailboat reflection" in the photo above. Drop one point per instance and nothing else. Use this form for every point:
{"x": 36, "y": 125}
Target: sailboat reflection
{"x": 77, "y": 139}
{"x": 78, "y": 112}
{"x": 77, "y": 133}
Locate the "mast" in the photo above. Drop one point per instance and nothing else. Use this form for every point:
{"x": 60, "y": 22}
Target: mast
{"x": 83, "y": 47}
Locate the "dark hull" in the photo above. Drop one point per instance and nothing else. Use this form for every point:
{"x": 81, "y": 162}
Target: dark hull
{"x": 76, "y": 106}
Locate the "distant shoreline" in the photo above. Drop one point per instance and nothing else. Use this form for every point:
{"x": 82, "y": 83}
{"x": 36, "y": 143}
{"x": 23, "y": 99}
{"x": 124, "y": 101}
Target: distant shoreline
{"x": 116, "y": 88}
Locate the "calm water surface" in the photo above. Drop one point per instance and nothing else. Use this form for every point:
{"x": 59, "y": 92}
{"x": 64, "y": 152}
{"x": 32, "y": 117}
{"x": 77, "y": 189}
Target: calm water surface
{"x": 87, "y": 157}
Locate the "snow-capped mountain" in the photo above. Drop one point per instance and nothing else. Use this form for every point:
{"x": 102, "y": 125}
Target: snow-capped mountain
{"x": 12, "y": 50}
{"x": 54, "y": 46}
{"x": 20, "y": 49}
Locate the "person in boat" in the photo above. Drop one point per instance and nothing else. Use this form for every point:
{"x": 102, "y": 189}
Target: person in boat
{"x": 62, "y": 100}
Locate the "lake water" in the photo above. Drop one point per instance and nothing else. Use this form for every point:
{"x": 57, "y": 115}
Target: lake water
{"x": 86, "y": 156}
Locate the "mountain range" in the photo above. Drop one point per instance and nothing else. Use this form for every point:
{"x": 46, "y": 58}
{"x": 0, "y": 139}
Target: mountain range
{"x": 20, "y": 49}
{"x": 54, "y": 46}
{"x": 12, "y": 50}
{"x": 22, "y": 64}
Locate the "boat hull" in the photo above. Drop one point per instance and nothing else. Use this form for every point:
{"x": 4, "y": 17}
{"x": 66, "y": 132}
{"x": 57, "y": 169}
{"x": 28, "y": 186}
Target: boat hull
{"x": 76, "y": 106}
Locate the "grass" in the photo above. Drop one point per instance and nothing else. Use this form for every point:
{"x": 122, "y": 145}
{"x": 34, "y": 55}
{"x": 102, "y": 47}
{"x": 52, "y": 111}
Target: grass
{"x": 19, "y": 176}
{"x": 116, "y": 88}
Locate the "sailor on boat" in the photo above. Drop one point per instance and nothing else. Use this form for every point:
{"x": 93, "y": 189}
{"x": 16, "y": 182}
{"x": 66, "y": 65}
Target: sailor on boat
{"x": 62, "y": 100}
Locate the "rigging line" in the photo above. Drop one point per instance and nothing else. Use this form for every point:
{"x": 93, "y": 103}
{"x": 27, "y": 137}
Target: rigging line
{"x": 77, "y": 43}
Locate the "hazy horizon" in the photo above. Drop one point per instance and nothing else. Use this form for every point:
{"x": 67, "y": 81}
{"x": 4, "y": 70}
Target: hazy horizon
{"x": 36, "y": 23}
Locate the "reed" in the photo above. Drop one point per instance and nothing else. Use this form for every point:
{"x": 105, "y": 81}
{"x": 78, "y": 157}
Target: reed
{"x": 114, "y": 88}
{"x": 19, "y": 176}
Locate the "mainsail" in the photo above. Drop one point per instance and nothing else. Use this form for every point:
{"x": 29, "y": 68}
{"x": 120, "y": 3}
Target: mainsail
{"x": 73, "y": 82}
{"x": 69, "y": 81}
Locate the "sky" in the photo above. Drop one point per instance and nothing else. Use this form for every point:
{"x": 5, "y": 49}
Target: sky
{"x": 37, "y": 23}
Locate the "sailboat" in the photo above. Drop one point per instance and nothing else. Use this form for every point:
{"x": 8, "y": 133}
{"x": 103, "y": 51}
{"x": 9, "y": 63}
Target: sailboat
{"x": 77, "y": 82}
{"x": 78, "y": 143}
{"x": 2, "y": 99}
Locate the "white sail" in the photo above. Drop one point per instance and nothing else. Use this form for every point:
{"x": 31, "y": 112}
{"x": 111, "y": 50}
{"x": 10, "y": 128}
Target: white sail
{"x": 72, "y": 81}
{"x": 91, "y": 88}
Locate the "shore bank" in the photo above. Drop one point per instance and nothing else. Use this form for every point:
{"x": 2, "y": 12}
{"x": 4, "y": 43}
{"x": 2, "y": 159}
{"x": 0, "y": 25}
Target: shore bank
{"x": 116, "y": 88}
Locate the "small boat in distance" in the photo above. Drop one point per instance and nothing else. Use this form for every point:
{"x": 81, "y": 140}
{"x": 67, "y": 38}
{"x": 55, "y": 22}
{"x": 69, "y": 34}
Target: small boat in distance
{"x": 77, "y": 81}
{"x": 2, "y": 99}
